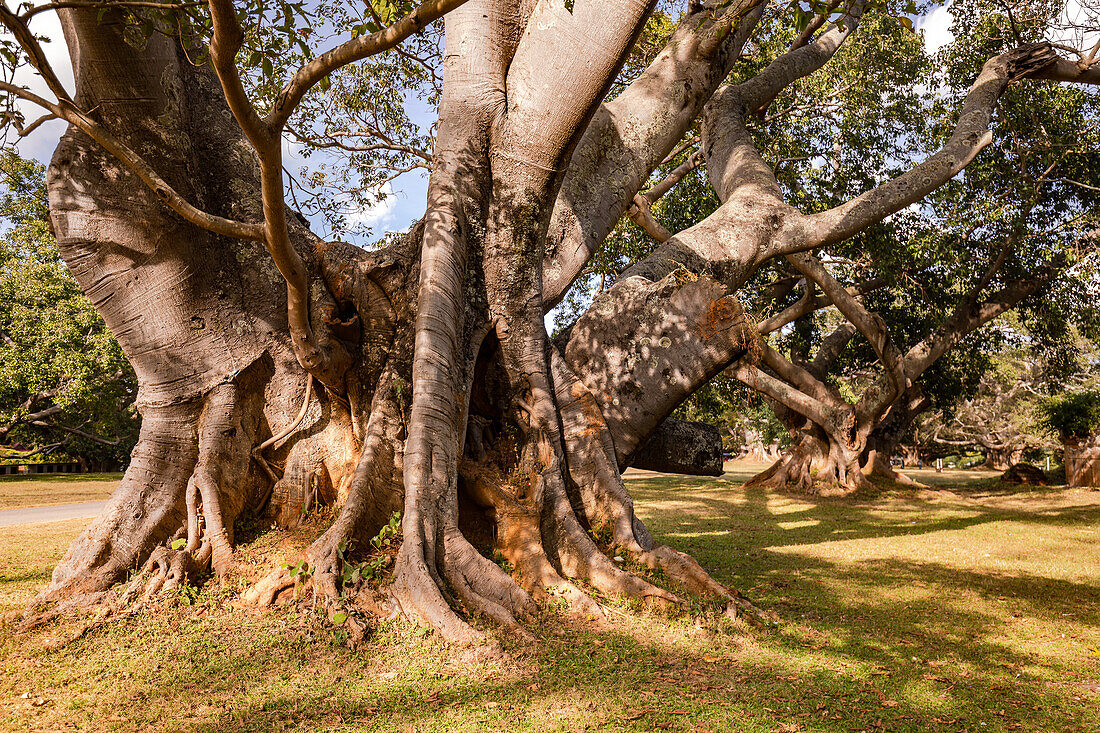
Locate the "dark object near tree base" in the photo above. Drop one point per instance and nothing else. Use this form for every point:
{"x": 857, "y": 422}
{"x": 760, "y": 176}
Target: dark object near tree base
{"x": 679, "y": 446}
{"x": 1025, "y": 473}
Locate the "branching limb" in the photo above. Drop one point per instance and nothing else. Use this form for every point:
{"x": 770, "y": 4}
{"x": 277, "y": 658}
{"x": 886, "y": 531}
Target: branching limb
{"x": 351, "y": 51}
{"x": 630, "y": 136}
{"x": 640, "y": 210}
{"x": 808, "y": 304}
{"x": 869, "y": 324}
{"x": 970, "y": 136}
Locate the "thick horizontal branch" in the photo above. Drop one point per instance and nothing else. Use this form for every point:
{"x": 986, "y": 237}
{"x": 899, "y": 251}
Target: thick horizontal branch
{"x": 783, "y": 393}
{"x": 970, "y": 136}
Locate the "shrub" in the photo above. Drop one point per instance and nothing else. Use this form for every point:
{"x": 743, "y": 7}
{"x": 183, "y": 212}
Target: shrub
{"x": 1073, "y": 415}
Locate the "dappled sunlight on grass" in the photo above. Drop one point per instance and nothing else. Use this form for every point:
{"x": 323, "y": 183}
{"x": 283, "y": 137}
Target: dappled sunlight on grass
{"x": 961, "y": 609}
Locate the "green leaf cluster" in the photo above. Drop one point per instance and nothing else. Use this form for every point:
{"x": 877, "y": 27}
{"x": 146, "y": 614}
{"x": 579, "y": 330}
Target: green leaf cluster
{"x": 55, "y": 350}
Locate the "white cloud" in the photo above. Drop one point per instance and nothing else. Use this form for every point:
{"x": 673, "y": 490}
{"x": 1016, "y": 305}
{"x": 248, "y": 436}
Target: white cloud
{"x": 41, "y": 143}
{"x": 380, "y": 214}
{"x": 936, "y": 27}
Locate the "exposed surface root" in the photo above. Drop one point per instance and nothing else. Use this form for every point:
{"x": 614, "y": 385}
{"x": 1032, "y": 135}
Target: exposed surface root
{"x": 482, "y": 586}
{"x": 421, "y": 599}
{"x": 610, "y": 508}
{"x": 166, "y": 570}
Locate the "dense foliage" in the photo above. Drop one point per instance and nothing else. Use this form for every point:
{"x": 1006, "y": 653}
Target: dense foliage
{"x": 1074, "y": 415}
{"x": 66, "y": 390}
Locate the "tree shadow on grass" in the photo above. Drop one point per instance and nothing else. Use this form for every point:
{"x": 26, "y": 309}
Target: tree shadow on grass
{"x": 759, "y": 518}
{"x": 872, "y": 665}
{"x": 872, "y": 644}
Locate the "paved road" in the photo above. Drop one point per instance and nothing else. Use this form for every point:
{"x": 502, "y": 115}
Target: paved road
{"x": 32, "y": 515}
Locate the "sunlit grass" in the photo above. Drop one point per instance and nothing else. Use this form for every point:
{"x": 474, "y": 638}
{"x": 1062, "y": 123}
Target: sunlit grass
{"x": 47, "y": 490}
{"x": 962, "y": 608}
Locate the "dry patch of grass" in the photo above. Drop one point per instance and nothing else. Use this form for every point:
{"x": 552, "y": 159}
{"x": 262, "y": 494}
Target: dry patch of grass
{"x": 966, "y": 609}
{"x": 17, "y": 492}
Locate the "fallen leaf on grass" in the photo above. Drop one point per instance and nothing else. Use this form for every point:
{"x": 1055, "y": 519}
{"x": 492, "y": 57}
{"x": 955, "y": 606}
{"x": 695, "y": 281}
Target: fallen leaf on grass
{"x": 633, "y": 714}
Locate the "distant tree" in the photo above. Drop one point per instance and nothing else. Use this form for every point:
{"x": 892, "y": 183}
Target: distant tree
{"x": 66, "y": 389}
{"x": 1015, "y": 233}
{"x": 1073, "y": 416}
{"x": 1002, "y": 420}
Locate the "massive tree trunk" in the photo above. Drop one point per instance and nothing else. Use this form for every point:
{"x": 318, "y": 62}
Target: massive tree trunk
{"x": 278, "y": 371}
{"x": 820, "y": 461}
{"x": 454, "y": 408}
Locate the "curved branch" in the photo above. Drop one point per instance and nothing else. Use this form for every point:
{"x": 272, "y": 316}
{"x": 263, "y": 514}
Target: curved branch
{"x": 869, "y": 324}
{"x": 970, "y": 136}
{"x": 225, "y": 43}
{"x": 783, "y": 393}
{"x": 807, "y": 305}
{"x": 640, "y": 211}
{"x": 351, "y": 51}
{"x": 164, "y": 191}
{"x": 37, "y": 57}
{"x": 630, "y": 136}
{"x": 732, "y": 158}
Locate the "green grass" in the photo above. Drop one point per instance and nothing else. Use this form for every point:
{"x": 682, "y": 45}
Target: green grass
{"x": 962, "y": 607}
{"x": 17, "y": 492}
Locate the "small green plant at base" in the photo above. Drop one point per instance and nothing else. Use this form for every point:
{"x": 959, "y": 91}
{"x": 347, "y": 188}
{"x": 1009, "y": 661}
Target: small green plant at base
{"x": 301, "y": 572}
{"x": 350, "y": 572}
{"x": 388, "y": 533}
{"x": 188, "y": 594}
{"x": 504, "y": 563}
{"x": 373, "y": 568}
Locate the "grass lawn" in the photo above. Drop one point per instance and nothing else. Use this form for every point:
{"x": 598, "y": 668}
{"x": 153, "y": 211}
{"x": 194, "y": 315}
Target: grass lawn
{"x": 962, "y": 607}
{"x": 17, "y": 492}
